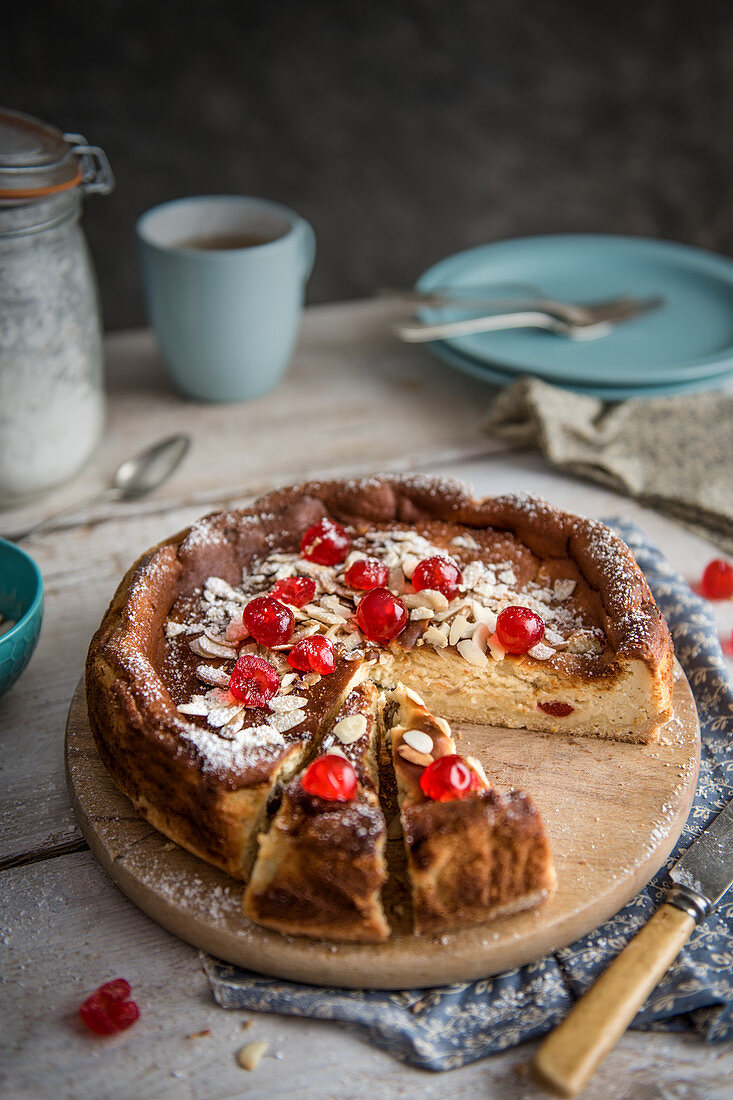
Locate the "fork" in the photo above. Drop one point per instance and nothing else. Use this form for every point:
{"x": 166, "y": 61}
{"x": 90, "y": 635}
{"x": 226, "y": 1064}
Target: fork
{"x": 586, "y": 323}
{"x": 574, "y": 313}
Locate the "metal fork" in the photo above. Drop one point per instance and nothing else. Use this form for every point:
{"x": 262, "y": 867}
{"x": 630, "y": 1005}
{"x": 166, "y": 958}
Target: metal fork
{"x": 573, "y": 313}
{"x": 595, "y": 321}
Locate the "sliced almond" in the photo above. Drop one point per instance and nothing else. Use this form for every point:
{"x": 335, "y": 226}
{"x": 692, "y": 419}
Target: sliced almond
{"x": 483, "y": 614}
{"x": 496, "y": 648}
{"x": 219, "y": 677}
{"x": 471, "y": 653}
{"x": 435, "y": 637}
{"x": 283, "y": 704}
{"x": 478, "y": 768}
{"x": 480, "y": 636}
{"x": 419, "y": 741}
{"x": 206, "y": 648}
{"x": 426, "y": 597}
{"x": 409, "y": 564}
{"x": 418, "y": 614}
{"x": 198, "y": 706}
{"x": 442, "y": 725}
{"x": 221, "y": 715}
{"x": 335, "y": 750}
{"x": 321, "y": 615}
{"x": 236, "y": 632}
{"x": 287, "y": 721}
{"x": 249, "y": 1057}
{"x": 460, "y": 628}
{"x": 412, "y": 694}
{"x": 541, "y": 652}
{"x": 414, "y": 756}
{"x": 351, "y": 728}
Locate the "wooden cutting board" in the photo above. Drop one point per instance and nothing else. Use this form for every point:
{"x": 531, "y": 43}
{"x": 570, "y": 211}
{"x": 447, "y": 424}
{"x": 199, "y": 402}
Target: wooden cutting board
{"x": 613, "y": 812}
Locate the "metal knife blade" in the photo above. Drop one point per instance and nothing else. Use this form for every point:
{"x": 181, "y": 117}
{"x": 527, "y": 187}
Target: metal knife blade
{"x": 705, "y": 871}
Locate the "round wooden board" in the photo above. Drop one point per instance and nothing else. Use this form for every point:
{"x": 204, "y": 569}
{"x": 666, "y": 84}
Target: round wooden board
{"x": 613, "y": 812}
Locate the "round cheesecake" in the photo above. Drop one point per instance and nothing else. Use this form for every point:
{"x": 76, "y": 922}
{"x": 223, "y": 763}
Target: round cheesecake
{"x": 220, "y": 777}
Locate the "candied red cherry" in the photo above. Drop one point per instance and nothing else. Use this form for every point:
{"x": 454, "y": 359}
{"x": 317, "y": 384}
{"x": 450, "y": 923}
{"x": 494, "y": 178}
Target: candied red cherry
{"x": 438, "y": 573}
{"x": 330, "y": 777}
{"x": 447, "y": 778}
{"x": 326, "y": 542}
{"x": 518, "y": 629}
{"x": 108, "y": 1010}
{"x": 717, "y": 580}
{"x": 367, "y": 573}
{"x": 253, "y": 681}
{"x": 268, "y": 621}
{"x": 313, "y": 654}
{"x": 381, "y": 615}
{"x": 297, "y": 591}
{"x": 555, "y": 708}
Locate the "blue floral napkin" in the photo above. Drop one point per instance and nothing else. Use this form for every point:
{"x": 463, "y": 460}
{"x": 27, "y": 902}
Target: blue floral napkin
{"x": 448, "y": 1027}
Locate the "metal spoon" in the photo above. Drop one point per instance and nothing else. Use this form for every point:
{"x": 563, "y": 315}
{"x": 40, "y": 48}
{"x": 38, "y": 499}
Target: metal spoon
{"x": 135, "y": 477}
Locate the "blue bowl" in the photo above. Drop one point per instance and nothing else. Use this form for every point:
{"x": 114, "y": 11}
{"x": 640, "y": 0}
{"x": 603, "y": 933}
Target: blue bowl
{"x": 21, "y": 599}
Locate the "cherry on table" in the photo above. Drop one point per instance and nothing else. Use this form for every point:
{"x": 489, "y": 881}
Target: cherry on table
{"x": 381, "y": 615}
{"x": 438, "y": 573}
{"x": 448, "y": 778}
{"x": 518, "y": 629}
{"x": 268, "y": 621}
{"x": 108, "y": 1010}
{"x": 314, "y": 654}
{"x": 325, "y": 542}
{"x": 296, "y": 591}
{"x": 717, "y": 580}
{"x": 330, "y": 777}
{"x": 254, "y": 681}
{"x": 367, "y": 573}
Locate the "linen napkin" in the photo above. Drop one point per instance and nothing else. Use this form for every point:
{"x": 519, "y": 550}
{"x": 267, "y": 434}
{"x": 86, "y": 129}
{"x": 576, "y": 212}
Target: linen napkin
{"x": 448, "y": 1027}
{"x": 674, "y": 454}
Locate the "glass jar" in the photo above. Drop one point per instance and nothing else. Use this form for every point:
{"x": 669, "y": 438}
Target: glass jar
{"x": 51, "y": 387}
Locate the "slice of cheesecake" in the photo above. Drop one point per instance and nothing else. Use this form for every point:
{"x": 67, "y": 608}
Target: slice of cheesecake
{"x": 471, "y": 858}
{"x": 321, "y": 865}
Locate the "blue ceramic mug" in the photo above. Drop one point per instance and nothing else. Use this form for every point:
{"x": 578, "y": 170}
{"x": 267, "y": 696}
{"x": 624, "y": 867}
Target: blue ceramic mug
{"x": 224, "y": 279}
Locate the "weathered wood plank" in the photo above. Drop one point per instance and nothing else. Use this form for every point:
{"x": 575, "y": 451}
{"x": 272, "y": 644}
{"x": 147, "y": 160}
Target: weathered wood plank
{"x": 66, "y": 929}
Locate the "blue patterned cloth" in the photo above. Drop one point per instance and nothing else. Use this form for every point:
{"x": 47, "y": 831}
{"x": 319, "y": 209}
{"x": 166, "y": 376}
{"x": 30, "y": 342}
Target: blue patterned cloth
{"x": 448, "y": 1027}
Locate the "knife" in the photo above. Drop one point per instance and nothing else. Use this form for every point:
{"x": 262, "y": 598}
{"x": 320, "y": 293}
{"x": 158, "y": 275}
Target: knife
{"x": 570, "y": 1055}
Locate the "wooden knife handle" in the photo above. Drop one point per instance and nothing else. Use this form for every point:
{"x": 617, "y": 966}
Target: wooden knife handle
{"x": 571, "y": 1054}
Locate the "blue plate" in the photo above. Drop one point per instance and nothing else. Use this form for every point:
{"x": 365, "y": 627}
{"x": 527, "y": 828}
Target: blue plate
{"x": 496, "y": 376}
{"x": 689, "y": 339}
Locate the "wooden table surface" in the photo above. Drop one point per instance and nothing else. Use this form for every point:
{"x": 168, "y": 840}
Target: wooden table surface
{"x": 354, "y": 401}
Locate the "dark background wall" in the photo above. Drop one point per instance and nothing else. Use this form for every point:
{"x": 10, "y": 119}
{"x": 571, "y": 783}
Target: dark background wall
{"x": 402, "y": 130}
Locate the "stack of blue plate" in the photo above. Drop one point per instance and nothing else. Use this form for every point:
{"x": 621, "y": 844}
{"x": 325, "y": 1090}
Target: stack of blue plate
{"x": 687, "y": 344}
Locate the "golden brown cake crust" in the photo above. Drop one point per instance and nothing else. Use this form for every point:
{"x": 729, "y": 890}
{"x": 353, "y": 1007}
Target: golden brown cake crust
{"x": 476, "y": 858}
{"x": 212, "y": 806}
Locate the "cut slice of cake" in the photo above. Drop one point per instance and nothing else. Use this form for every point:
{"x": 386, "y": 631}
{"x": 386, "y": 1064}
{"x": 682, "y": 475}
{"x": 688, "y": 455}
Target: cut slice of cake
{"x": 473, "y": 853}
{"x": 321, "y": 865}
